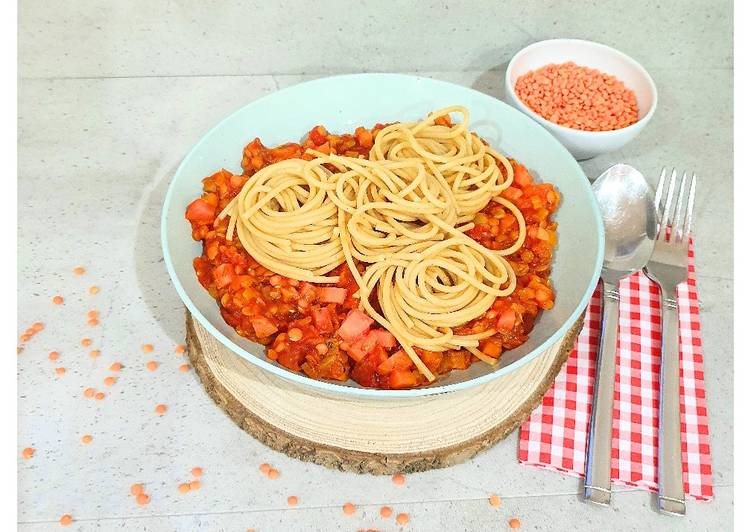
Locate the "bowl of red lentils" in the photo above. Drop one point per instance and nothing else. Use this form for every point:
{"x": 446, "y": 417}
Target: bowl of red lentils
{"x": 592, "y": 98}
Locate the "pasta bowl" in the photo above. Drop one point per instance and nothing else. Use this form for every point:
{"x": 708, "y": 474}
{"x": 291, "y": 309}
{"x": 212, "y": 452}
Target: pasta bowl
{"x": 342, "y": 103}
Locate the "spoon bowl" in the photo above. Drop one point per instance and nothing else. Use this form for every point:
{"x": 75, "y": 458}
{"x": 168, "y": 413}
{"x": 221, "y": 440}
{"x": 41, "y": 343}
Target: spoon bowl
{"x": 628, "y": 211}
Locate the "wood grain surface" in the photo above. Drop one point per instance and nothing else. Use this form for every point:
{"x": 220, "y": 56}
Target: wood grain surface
{"x": 367, "y": 435}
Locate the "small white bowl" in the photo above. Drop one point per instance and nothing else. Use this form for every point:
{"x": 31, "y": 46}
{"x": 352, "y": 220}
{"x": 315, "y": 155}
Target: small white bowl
{"x": 585, "y": 144}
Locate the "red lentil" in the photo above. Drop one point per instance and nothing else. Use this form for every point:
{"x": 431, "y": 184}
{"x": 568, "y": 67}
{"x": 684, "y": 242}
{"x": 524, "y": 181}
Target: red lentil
{"x": 349, "y": 509}
{"x": 494, "y": 500}
{"x": 28, "y": 452}
{"x": 402, "y": 518}
{"x": 79, "y": 270}
{"x": 292, "y": 500}
{"x": 386, "y": 512}
{"x": 66, "y": 519}
{"x": 160, "y": 409}
{"x": 578, "y": 97}
{"x": 514, "y": 523}
{"x": 87, "y": 438}
{"x": 54, "y": 355}
{"x": 398, "y": 479}
{"x": 58, "y": 300}
{"x": 116, "y": 366}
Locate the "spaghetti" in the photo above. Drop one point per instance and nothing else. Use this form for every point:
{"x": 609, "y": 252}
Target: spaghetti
{"x": 286, "y": 220}
{"x": 403, "y": 213}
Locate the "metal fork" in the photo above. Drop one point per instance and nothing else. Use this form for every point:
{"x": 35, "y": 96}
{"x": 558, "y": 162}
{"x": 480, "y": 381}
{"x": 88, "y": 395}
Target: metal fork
{"x": 668, "y": 267}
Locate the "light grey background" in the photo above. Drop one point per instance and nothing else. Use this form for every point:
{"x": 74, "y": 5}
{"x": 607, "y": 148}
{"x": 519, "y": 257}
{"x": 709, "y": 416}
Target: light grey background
{"x": 111, "y": 97}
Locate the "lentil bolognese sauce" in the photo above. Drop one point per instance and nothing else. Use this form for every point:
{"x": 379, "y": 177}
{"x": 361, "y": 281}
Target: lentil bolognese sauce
{"x": 319, "y": 329}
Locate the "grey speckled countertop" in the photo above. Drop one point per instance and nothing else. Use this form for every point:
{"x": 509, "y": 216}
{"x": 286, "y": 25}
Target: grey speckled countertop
{"x": 111, "y": 97}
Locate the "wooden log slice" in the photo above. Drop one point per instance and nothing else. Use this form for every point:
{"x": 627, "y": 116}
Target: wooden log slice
{"x": 367, "y": 435}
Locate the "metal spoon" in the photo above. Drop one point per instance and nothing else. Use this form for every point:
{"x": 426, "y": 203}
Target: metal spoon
{"x": 628, "y": 210}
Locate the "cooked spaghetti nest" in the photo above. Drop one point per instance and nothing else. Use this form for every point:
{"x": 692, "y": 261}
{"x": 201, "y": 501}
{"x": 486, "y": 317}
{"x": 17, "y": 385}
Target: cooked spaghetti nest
{"x": 469, "y": 166}
{"x": 286, "y": 221}
{"x": 402, "y": 213}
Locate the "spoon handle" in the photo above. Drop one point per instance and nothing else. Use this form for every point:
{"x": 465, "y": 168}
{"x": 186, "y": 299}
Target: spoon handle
{"x": 599, "y": 445}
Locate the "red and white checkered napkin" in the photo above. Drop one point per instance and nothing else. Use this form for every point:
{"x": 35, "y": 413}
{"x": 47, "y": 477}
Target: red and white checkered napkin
{"x": 555, "y": 436}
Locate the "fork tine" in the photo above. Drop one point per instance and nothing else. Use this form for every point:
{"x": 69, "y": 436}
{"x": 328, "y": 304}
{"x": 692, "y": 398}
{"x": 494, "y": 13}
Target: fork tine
{"x": 689, "y": 207}
{"x": 676, "y": 232}
{"x": 666, "y": 209}
{"x": 658, "y": 194}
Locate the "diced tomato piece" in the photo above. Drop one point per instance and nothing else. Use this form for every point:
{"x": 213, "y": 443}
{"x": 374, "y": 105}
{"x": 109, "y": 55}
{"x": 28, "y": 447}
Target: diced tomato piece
{"x": 323, "y": 320}
{"x": 399, "y": 360}
{"x": 432, "y": 359}
{"x": 444, "y": 120}
{"x": 512, "y": 193}
{"x": 355, "y": 325}
{"x": 289, "y": 293}
{"x": 291, "y": 358}
{"x": 521, "y": 175}
{"x": 506, "y": 321}
{"x": 383, "y": 338}
{"x": 263, "y": 327}
{"x": 223, "y": 275}
{"x": 332, "y": 294}
{"x": 285, "y": 151}
{"x": 362, "y": 347}
{"x": 318, "y": 135}
{"x": 491, "y": 347}
{"x": 355, "y": 350}
{"x": 199, "y": 211}
{"x": 378, "y": 356}
{"x": 364, "y": 137}
{"x": 400, "y": 379}
{"x": 308, "y": 292}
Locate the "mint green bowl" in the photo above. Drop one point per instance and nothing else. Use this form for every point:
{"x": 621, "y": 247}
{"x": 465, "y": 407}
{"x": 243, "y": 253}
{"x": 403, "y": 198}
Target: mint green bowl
{"x": 342, "y": 103}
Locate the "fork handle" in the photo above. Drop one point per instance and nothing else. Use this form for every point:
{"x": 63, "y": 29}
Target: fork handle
{"x": 599, "y": 445}
{"x": 671, "y": 498}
